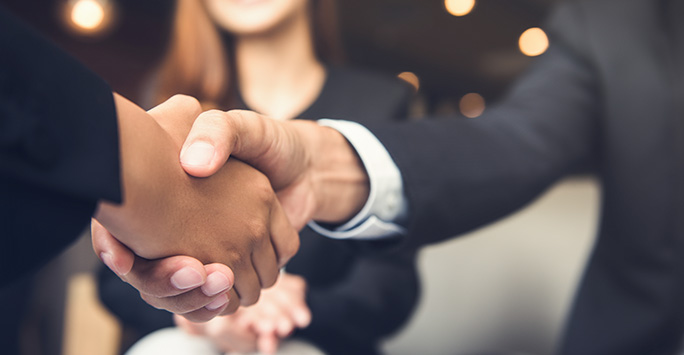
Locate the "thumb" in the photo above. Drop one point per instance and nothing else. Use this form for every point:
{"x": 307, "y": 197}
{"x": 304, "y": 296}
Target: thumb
{"x": 208, "y": 145}
{"x": 215, "y": 135}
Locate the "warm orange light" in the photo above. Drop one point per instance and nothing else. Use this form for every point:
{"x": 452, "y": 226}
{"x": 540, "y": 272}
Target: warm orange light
{"x": 472, "y": 105}
{"x": 88, "y": 14}
{"x": 410, "y": 78}
{"x": 533, "y": 42}
{"x": 459, "y": 7}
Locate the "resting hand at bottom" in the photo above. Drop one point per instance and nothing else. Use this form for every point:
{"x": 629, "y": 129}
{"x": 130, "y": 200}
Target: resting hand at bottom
{"x": 262, "y": 326}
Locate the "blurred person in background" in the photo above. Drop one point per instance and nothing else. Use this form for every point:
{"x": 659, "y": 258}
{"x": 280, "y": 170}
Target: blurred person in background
{"x": 606, "y": 96}
{"x": 279, "y": 57}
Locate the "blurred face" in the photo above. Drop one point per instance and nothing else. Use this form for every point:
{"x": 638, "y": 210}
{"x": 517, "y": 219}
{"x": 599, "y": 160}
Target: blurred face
{"x": 250, "y": 17}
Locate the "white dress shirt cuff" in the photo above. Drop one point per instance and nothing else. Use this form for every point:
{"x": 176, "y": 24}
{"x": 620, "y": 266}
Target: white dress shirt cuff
{"x": 386, "y": 201}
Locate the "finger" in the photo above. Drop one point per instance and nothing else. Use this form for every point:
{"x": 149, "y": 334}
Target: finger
{"x": 292, "y": 299}
{"x": 167, "y": 277}
{"x": 265, "y": 263}
{"x": 176, "y": 115}
{"x": 285, "y": 239}
{"x": 267, "y": 343}
{"x": 233, "y": 304}
{"x": 296, "y": 308}
{"x": 188, "y": 302}
{"x": 115, "y": 255}
{"x": 228, "y": 335}
{"x": 284, "y": 327}
{"x": 265, "y": 325}
{"x": 217, "y": 135}
{"x": 298, "y": 314}
{"x": 211, "y": 296}
{"x": 276, "y": 318}
{"x": 247, "y": 285}
{"x": 282, "y": 323}
{"x": 210, "y": 311}
{"x": 301, "y": 316}
{"x": 208, "y": 145}
{"x": 220, "y": 278}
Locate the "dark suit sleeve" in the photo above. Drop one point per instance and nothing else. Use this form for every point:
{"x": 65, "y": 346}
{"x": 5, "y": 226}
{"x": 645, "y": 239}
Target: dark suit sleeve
{"x": 58, "y": 147}
{"x": 376, "y": 298}
{"x": 460, "y": 174}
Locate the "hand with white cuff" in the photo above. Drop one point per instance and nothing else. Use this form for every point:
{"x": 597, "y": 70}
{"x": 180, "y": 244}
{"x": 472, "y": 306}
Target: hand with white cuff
{"x": 315, "y": 172}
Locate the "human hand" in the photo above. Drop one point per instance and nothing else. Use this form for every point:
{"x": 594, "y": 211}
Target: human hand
{"x": 178, "y": 284}
{"x": 262, "y": 326}
{"x": 232, "y": 218}
{"x": 314, "y": 170}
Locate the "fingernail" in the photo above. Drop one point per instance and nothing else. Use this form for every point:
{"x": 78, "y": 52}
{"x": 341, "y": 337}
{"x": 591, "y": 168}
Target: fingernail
{"x": 216, "y": 283}
{"x": 198, "y": 154}
{"x": 108, "y": 259}
{"x": 219, "y": 302}
{"x": 186, "y": 278}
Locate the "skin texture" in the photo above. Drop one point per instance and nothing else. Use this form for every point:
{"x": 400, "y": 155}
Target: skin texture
{"x": 232, "y": 218}
{"x": 315, "y": 172}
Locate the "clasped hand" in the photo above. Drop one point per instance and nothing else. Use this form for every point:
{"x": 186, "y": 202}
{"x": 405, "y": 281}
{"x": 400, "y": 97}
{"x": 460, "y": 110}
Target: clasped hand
{"x": 232, "y": 217}
{"x": 230, "y": 226}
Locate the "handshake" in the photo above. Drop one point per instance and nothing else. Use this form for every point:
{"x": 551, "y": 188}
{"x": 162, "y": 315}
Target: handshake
{"x": 201, "y": 235}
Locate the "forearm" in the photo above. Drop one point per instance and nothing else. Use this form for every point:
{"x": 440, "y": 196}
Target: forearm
{"x": 460, "y": 174}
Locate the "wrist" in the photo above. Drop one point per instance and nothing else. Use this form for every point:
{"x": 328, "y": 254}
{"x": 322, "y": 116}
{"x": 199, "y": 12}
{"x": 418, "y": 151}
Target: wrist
{"x": 340, "y": 181}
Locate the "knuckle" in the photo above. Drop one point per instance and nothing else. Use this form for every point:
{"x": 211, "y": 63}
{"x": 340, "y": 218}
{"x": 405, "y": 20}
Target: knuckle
{"x": 188, "y": 101}
{"x": 213, "y": 117}
{"x": 270, "y": 279}
{"x": 264, "y": 192}
{"x": 258, "y": 232}
{"x": 231, "y": 308}
{"x": 235, "y": 260}
{"x": 250, "y": 298}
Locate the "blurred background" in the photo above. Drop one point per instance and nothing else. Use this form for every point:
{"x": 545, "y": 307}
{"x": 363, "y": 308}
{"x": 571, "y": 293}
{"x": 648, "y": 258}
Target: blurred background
{"x": 506, "y": 289}
{"x": 447, "y": 49}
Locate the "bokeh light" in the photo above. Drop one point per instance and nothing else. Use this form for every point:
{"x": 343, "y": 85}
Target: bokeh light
{"x": 410, "y": 78}
{"x": 472, "y": 105}
{"x": 88, "y": 14}
{"x": 533, "y": 42}
{"x": 89, "y": 18}
{"x": 459, "y": 7}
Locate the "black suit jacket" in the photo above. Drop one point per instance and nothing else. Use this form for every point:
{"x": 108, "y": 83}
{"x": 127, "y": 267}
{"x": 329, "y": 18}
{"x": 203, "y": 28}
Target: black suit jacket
{"x": 58, "y": 148}
{"x": 608, "y": 95}
{"x": 357, "y": 296}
